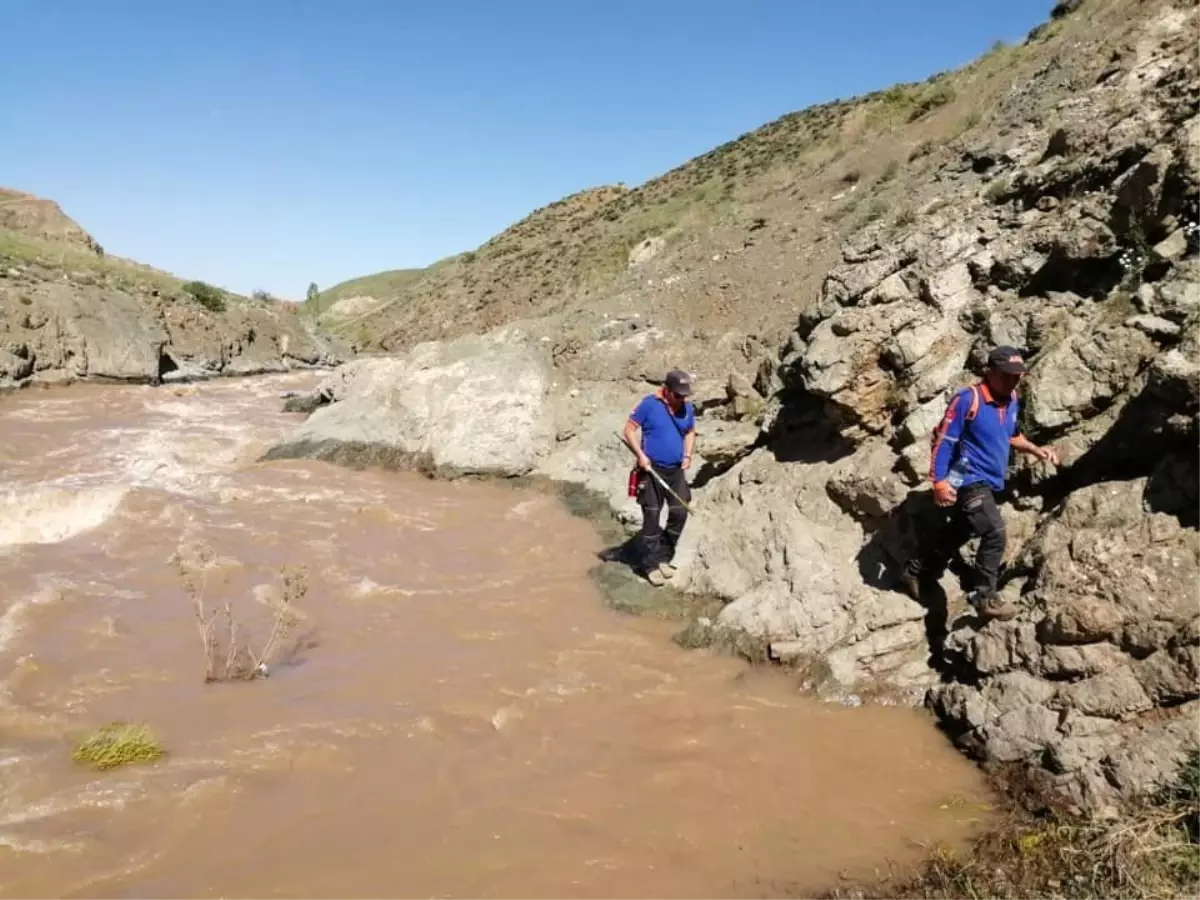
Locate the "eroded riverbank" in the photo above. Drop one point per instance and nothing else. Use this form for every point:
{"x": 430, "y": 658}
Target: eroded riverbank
{"x": 464, "y": 716}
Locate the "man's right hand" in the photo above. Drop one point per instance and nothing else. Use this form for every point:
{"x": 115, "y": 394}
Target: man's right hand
{"x": 643, "y": 461}
{"x": 944, "y": 493}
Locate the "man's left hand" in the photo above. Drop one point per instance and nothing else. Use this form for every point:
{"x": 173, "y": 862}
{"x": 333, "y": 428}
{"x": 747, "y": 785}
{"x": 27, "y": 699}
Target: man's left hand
{"x": 687, "y": 462}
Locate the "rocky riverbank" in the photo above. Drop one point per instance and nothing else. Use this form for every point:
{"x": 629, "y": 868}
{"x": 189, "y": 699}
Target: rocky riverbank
{"x": 1073, "y": 235}
{"x": 69, "y": 311}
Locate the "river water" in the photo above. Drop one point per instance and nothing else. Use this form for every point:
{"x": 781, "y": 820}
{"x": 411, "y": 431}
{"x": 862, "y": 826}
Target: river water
{"x": 454, "y": 712}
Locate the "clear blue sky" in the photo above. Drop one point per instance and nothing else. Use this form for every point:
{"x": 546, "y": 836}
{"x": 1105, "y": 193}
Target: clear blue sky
{"x": 269, "y": 143}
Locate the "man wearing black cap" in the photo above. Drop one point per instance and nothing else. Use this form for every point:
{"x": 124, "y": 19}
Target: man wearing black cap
{"x": 968, "y": 466}
{"x": 667, "y": 422}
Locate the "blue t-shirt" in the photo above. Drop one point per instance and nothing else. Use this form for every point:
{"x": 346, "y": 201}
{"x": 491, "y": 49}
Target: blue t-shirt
{"x": 662, "y": 430}
{"x": 966, "y": 453}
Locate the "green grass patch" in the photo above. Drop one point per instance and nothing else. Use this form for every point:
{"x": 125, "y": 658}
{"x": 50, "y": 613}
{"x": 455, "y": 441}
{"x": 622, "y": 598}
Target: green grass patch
{"x": 211, "y": 298}
{"x": 118, "y": 744}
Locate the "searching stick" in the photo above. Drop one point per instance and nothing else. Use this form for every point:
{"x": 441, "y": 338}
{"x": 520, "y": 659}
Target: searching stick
{"x": 666, "y": 487}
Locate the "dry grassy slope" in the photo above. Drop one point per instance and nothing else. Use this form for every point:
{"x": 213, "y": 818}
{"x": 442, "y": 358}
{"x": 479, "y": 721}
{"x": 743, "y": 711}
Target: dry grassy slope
{"x": 749, "y": 229}
{"x": 41, "y": 219}
{"x": 37, "y": 237}
{"x": 360, "y": 294}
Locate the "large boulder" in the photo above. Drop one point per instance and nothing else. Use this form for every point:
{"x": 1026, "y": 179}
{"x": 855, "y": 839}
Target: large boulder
{"x": 474, "y": 405}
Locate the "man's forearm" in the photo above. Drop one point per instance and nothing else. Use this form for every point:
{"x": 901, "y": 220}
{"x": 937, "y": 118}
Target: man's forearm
{"x": 631, "y": 439}
{"x": 689, "y": 441}
{"x": 1023, "y": 444}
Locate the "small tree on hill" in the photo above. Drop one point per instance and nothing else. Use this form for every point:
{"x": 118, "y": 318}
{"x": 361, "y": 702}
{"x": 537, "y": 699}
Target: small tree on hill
{"x": 312, "y": 298}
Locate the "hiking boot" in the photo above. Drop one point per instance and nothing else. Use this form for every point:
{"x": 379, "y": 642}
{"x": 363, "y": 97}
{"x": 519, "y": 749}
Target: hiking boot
{"x": 668, "y": 570}
{"x": 993, "y": 606}
{"x": 656, "y": 577}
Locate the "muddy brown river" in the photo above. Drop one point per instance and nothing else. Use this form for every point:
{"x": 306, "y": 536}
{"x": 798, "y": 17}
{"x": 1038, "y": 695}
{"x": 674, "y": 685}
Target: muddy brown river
{"x": 458, "y": 714}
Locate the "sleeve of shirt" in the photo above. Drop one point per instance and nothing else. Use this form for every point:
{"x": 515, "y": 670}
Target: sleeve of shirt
{"x": 946, "y": 436}
{"x": 641, "y": 411}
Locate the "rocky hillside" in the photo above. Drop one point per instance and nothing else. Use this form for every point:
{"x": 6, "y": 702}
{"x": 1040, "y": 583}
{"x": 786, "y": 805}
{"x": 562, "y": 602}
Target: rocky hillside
{"x": 68, "y": 310}
{"x": 731, "y": 244}
{"x": 831, "y": 279}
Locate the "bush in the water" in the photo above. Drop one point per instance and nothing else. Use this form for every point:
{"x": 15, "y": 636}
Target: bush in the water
{"x": 232, "y": 652}
{"x": 118, "y": 744}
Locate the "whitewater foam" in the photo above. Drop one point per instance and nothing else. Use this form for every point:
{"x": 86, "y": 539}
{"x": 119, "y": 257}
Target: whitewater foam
{"x": 51, "y": 515}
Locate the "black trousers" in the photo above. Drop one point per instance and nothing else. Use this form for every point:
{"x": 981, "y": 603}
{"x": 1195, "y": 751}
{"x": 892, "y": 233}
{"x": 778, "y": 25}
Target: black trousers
{"x": 656, "y": 545}
{"x": 974, "y": 514}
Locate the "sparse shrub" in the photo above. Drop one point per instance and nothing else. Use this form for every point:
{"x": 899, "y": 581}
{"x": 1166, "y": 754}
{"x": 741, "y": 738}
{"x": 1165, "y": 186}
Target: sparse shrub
{"x": 231, "y": 653}
{"x": 261, "y": 296}
{"x": 937, "y": 96}
{"x": 922, "y": 149}
{"x": 851, "y": 177}
{"x": 890, "y": 171}
{"x": 211, "y": 298}
{"x": 118, "y": 744}
{"x": 905, "y": 217}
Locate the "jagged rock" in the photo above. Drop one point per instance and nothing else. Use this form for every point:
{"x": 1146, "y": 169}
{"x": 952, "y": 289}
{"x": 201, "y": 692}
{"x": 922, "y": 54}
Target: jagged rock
{"x": 846, "y": 284}
{"x": 1111, "y": 612}
{"x": 1138, "y": 190}
{"x": 893, "y": 289}
{"x": 1088, "y": 368}
{"x": 1154, "y": 326}
{"x": 744, "y": 401}
{"x": 868, "y": 491}
{"x": 1173, "y": 246}
{"x": 951, "y": 289}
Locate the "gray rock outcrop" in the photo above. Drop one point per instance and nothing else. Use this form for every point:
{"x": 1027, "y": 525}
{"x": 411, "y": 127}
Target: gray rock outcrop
{"x": 57, "y": 327}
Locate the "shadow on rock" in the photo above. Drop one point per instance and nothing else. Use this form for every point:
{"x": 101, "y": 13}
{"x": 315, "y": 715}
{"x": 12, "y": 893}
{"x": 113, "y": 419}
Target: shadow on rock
{"x": 805, "y": 433}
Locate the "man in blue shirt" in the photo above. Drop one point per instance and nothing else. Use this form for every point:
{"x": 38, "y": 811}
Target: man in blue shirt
{"x": 667, "y": 422}
{"x": 968, "y": 467}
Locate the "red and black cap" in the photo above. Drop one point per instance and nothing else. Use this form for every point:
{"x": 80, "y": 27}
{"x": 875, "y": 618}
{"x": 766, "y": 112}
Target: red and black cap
{"x": 1007, "y": 359}
{"x": 678, "y": 383}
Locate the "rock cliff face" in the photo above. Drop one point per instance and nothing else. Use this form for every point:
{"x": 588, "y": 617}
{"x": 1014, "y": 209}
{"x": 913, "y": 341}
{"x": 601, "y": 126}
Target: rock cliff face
{"x": 1068, "y": 228}
{"x": 69, "y": 311}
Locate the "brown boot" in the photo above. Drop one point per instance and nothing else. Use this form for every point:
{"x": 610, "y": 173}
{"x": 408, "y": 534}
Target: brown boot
{"x": 994, "y": 606}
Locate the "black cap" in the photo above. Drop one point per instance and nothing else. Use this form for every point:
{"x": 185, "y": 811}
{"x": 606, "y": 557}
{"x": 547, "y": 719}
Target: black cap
{"x": 1007, "y": 359}
{"x": 679, "y": 382}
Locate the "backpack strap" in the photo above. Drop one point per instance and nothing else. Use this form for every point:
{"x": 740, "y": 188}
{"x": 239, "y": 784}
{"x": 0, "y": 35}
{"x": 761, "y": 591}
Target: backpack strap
{"x": 973, "y": 410}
